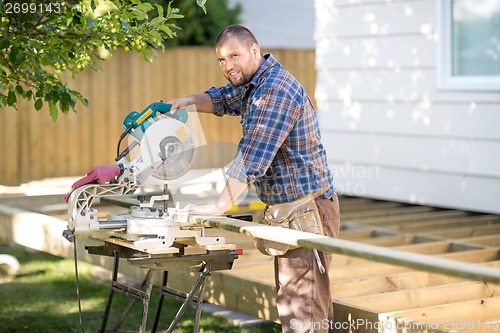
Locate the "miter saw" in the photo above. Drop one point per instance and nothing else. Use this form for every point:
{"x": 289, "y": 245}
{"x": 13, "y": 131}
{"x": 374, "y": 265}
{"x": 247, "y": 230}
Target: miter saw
{"x": 161, "y": 148}
{"x": 152, "y": 235}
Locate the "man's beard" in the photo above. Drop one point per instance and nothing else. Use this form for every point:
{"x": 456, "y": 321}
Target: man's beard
{"x": 241, "y": 80}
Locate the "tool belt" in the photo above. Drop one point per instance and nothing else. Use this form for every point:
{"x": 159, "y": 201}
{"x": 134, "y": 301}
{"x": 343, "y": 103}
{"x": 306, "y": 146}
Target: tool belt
{"x": 301, "y": 214}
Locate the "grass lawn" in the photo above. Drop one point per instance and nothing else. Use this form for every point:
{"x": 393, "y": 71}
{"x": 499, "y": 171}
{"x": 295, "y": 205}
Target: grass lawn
{"x": 43, "y": 299}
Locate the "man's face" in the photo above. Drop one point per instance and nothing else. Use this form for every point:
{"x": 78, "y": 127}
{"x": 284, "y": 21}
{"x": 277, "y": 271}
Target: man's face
{"x": 237, "y": 61}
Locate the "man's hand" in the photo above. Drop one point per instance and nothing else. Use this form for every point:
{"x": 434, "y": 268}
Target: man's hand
{"x": 98, "y": 174}
{"x": 178, "y": 103}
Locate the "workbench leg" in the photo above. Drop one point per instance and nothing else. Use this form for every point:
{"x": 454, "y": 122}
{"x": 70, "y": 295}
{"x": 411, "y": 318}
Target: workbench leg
{"x": 148, "y": 284}
{"x": 189, "y": 298}
{"x": 199, "y": 304}
{"x": 145, "y": 302}
{"x": 111, "y": 293}
{"x": 160, "y": 302}
{"x": 135, "y": 293}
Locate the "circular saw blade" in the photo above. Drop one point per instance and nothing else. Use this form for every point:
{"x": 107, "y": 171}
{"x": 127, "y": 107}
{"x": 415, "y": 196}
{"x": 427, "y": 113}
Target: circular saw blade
{"x": 169, "y": 147}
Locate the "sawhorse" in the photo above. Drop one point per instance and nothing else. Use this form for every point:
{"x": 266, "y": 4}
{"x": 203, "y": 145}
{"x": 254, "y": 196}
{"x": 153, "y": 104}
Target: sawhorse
{"x": 203, "y": 263}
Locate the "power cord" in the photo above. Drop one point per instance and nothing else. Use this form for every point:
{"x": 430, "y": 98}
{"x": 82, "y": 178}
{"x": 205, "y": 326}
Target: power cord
{"x": 78, "y": 285}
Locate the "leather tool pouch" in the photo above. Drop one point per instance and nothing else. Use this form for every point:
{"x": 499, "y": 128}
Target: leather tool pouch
{"x": 301, "y": 214}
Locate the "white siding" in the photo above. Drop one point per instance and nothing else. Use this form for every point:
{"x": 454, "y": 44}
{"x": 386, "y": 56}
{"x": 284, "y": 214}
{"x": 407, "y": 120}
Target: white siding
{"x": 280, "y": 23}
{"x": 390, "y": 133}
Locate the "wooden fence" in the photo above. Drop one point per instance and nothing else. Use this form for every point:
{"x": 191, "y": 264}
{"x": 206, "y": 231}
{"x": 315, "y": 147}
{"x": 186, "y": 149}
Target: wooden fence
{"x": 34, "y": 147}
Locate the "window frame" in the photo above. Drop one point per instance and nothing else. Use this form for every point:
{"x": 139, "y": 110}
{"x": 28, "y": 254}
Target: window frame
{"x": 445, "y": 79}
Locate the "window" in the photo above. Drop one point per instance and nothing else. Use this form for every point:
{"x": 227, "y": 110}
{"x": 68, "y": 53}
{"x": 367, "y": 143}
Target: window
{"x": 468, "y": 44}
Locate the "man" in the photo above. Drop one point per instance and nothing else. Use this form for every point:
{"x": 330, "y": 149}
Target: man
{"x": 281, "y": 154}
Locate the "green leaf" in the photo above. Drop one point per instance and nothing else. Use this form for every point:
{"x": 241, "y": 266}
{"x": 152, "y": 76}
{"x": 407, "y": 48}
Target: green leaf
{"x": 138, "y": 14}
{"x": 144, "y": 7}
{"x": 13, "y": 54}
{"x": 38, "y": 104}
{"x": 11, "y": 98}
{"x": 53, "y": 111}
{"x": 4, "y": 43}
{"x": 160, "y": 10}
{"x": 166, "y": 30}
{"x": 148, "y": 56}
{"x": 202, "y": 3}
{"x": 93, "y": 5}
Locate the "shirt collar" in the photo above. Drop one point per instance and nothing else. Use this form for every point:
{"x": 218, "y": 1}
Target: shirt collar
{"x": 269, "y": 62}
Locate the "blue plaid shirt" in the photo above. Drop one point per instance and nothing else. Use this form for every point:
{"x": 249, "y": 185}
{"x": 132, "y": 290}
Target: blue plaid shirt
{"x": 280, "y": 151}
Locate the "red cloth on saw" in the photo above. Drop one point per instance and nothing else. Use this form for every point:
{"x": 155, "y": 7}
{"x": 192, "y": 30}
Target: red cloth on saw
{"x": 99, "y": 174}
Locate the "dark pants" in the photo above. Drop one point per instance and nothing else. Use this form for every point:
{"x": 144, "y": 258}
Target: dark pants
{"x": 304, "y": 300}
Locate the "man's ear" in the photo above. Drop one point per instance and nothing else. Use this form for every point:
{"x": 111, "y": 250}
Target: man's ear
{"x": 255, "y": 50}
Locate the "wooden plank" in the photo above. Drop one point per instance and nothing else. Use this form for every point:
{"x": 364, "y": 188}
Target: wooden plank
{"x": 377, "y": 284}
{"x": 420, "y": 227}
{"x": 424, "y": 297}
{"x": 429, "y": 248}
{"x": 386, "y": 212}
{"x": 472, "y": 230}
{"x": 388, "y": 241}
{"x": 353, "y": 320}
{"x": 323, "y": 243}
{"x": 489, "y": 240}
{"x": 473, "y": 256}
{"x": 130, "y": 245}
{"x": 360, "y": 320}
{"x": 435, "y": 215}
{"x": 25, "y": 137}
{"x": 355, "y": 234}
{"x": 389, "y": 283}
{"x": 352, "y": 206}
{"x": 11, "y": 153}
{"x": 363, "y": 270}
{"x": 450, "y": 316}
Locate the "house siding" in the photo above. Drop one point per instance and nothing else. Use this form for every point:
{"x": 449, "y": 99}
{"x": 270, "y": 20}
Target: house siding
{"x": 389, "y": 131}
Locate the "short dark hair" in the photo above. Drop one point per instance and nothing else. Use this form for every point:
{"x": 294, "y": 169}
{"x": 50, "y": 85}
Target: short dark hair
{"x": 242, "y": 33}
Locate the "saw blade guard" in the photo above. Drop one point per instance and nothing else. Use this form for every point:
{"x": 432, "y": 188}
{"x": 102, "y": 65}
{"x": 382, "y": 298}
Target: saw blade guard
{"x": 167, "y": 151}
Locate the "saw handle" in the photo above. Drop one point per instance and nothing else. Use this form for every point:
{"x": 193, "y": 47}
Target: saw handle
{"x": 135, "y": 119}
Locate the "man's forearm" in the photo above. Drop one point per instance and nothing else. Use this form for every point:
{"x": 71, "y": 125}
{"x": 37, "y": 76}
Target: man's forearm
{"x": 203, "y": 102}
{"x": 231, "y": 192}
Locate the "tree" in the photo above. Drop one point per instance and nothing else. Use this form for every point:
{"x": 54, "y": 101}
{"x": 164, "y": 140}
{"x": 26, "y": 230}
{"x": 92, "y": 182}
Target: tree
{"x": 199, "y": 27}
{"x": 39, "y": 40}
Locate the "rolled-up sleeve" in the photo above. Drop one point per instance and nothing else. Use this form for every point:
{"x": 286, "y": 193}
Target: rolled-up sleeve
{"x": 226, "y": 100}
